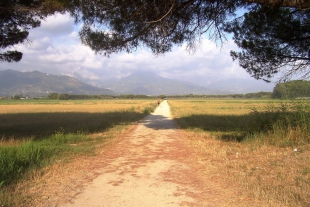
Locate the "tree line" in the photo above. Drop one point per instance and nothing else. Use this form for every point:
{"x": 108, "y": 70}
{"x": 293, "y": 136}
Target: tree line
{"x": 65, "y": 96}
{"x": 292, "y": 90}
{"x": 287, "y": 90}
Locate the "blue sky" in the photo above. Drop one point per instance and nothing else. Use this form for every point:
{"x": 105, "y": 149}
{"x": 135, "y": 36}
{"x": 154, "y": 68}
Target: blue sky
{"x": 55, "y": 48}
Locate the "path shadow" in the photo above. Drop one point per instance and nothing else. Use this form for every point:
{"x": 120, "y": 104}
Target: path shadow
{"x": 233, "y": 127}
{"x": 38, "y": 125}
{"x": 238, "y": 127}
{"x": 159, "y": 122}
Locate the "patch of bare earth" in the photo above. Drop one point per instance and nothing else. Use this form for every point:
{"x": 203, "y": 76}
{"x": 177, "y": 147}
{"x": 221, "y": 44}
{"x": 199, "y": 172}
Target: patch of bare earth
{"x": 155, "y": 164}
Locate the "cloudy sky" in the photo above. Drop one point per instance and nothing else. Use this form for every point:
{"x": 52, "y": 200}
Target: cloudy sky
{"x": 55, "y": 48}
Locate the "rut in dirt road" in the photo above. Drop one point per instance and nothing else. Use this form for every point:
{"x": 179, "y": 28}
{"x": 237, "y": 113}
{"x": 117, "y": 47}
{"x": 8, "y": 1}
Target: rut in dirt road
{"x": 150, "y": 167}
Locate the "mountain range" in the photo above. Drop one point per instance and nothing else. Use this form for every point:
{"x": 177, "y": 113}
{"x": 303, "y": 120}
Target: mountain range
{"x": 36, "y": 83}
{"x": 41, "y": 84}
{"x": 149, "y": 83}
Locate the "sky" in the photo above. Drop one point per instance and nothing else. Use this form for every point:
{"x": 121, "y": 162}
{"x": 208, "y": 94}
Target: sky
{"x": 55, "y": 48}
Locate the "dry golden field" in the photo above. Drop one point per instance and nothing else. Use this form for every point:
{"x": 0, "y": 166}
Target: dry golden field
{"x": 28, "y": 118}
{"x": 88, "y": 106}
{"x": 35, "y": 134}
{"x": 272, "y": 166}
{"x": 237, "y": 141}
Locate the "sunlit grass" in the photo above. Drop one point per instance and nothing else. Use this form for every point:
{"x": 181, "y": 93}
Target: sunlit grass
{"x": 36, "y": 134}
{"x": 242, "y": 119}
{"x": 262, "y": 145}
{"x": 88, "y": 106}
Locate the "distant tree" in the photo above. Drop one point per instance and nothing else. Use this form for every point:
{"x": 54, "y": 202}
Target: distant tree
{"x": 298, "y": 88}
{"x": 53, "y": 96}
{"x": 16, "y": 96}
{"x": 63, "y": 96}
{"x": 162, "y": 96}
{"x": 237, "y": 95}
{"x": 292, "y": 89}
{"x": 280, "y": 91}
{"x": 130, "y": 96}
{"x": 258, "y": 95}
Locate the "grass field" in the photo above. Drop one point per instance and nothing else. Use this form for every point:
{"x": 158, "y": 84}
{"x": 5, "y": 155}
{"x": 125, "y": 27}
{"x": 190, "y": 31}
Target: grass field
{"x": 37, "y": 133}
{"x": 36, "y": 119}
{"x": 261, "y": 145}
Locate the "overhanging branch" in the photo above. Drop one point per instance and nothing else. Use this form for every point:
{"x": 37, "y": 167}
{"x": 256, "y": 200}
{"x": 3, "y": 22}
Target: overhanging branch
{"x": 300, "y": 4}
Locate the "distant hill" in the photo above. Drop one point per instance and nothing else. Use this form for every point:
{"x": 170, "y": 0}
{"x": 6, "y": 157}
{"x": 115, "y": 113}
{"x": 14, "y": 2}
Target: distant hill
{"x": 149, "y": 83}
{"x": 41, "y": 84}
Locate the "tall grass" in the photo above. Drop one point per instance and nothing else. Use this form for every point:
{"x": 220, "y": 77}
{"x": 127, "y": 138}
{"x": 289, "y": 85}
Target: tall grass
{"x": 271, "y": 122}
{"x": 261, "y": 146}
{"x": 285, "y": 124}
{"x": 31, "y": 154}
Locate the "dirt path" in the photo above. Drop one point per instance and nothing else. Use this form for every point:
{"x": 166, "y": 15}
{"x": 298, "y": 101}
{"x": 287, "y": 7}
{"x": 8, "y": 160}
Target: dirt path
{"x": 149, "y": 167}
{"x": 153, "y": 164}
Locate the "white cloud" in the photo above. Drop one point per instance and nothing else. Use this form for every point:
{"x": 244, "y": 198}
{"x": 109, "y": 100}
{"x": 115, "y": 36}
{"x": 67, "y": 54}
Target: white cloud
{"x": 56, "y": 48}
{"x": 57, "y": 24}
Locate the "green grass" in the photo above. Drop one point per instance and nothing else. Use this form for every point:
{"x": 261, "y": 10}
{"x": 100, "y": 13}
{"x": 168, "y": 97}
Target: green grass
{"x": 32, "y": 140}
{"x": 27, "y": 155}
